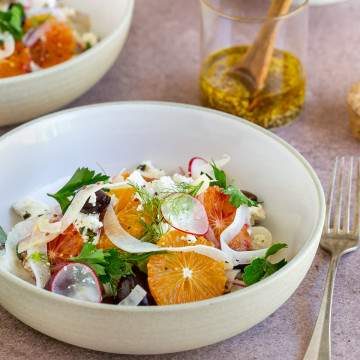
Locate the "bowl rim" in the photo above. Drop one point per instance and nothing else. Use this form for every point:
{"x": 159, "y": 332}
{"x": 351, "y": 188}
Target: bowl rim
{"x": 316, "y": 232}
{"x": 108, "y": 39}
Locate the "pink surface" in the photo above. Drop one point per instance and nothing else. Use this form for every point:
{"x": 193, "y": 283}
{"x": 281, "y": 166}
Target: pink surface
{"x": 160, "y": 62}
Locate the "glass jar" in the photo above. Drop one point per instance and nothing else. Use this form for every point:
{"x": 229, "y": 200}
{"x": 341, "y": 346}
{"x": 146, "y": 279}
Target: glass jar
{"x": 232, "y": 32}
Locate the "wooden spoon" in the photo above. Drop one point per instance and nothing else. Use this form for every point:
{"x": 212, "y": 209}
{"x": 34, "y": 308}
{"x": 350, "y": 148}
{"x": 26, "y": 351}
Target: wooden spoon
{"x": 254, "y": 67}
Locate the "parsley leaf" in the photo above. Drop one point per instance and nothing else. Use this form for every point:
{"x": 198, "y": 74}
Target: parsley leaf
{"x": 110, "y": 265}
{"x": 3, "y": 236}
{"x": 261, "y": 268}
{"x": 220, "y": 177}
{"x": 11, "y": 21}
{"x": 238, "y": 198}
{"x": 272, "y": 250}
{"x": 81, "y": 177}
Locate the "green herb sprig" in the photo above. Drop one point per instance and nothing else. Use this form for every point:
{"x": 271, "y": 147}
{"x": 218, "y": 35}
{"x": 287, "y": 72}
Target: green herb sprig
{"x": 237, "y": 197}
{"x": 11, "y": 21}
{"x": 151, "y": 217}
{"x": 3, "y": 236}
{"x": 110, "y": 265}
{"x": 81, "y": 177}
{"x": 261, "y": 268}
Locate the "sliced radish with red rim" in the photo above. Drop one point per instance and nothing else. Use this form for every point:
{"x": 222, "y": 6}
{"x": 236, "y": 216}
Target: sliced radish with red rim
{"x": 196, "y": 165}
{"x": 185, "y": 213}
{"x": 77, "y": 281}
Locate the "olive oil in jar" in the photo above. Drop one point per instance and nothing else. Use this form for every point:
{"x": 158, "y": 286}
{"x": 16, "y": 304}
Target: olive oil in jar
{"x": 278, "y": 103}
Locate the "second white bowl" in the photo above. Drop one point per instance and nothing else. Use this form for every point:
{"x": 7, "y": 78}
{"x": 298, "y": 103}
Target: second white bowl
{"x": 27, "y": 96}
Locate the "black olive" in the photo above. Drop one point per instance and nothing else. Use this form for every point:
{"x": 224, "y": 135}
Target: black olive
{"x": 128, "y": 283}
{"x": 250, "y": 195}
{"x": 102, "y": 202}
{"x": 109, "y": 300}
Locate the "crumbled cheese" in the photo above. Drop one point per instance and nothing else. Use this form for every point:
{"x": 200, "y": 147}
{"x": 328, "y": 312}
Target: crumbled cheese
{"x": 89, "y": 39}
{"x": 257, "y": 213}
{"x": 182, "y": 179}
{"x": 148, "y": 170}
{"x": 136, "y": 178}
{"x": 89, "y": 227}
{"x": 164, "y": 185}
{"x": 28, "y": 207}
{"x": 92, "y": 199}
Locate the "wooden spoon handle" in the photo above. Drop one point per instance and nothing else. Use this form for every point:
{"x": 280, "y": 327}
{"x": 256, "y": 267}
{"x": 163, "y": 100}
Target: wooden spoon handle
{"x": 256, "y": 61}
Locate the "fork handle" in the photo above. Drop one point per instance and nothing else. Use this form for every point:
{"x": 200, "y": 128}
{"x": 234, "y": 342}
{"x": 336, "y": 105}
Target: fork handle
{"x": 320, "y": 343}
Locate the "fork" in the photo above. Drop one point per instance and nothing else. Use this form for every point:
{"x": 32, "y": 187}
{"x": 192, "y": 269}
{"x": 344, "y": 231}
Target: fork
{"x": 340, "y": 236}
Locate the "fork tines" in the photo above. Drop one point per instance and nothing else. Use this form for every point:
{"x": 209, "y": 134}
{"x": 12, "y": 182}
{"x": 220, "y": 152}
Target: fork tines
{"x": 341, "y": 203}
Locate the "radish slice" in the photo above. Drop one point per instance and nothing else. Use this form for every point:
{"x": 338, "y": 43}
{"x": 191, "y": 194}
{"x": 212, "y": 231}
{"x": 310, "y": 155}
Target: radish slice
{"x": 124, "y": 241}
{"x": 34, "y": 34}
{"x": 261, "y": 237}
{"x": 200, "y": 166}
{"x": 8, "y": 47}
{"x": 135, "y": 297}
{"x": 77, "y": 281}
{"x": 242, "y": 218}
{"x": 195, "y": 166}
{"x": 185, "y": 213}
{"x": 211, "y": 237}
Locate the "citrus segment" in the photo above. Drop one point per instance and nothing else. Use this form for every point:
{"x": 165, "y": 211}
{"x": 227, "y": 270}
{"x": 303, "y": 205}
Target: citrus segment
{"x": 242, "y": 241}
{"x": 130, "y": 219}
{"x": 57, "y": 45}
{"x": 17, "y": 64}
{"x": 179, "y": 278}
{"x": 65, "y": 246}
{"x": 176, "y": 238}
{"x": 123, "y": 195}
{"x": 219, "y": 210}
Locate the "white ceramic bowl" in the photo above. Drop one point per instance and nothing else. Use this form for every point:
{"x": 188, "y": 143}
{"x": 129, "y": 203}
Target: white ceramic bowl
{"x": 121, "y": 135}
{"x": 27, "y": 96}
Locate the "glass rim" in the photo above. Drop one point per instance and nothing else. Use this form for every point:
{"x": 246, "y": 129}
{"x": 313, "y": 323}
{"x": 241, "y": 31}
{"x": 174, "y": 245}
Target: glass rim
{"x": 293, "y": 12}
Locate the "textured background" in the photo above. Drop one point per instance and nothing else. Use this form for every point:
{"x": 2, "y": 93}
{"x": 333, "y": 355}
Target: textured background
{"x": 160, "y": 62}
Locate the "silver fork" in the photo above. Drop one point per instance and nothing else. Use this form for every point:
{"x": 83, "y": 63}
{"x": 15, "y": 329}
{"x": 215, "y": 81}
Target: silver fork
{"x": 340, "y": 236}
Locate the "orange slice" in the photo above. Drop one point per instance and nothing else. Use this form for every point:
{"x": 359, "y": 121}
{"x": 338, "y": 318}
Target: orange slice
{"x": 17, "y": 64}
{"x": 176, "y": 238}
{"x": 179, "y": 278}
{"x": 219, "y": 210}
{"x": 104, "y": 242}
{"x": 56, "y": 46}
{"x": 130, "y": 219}
{"x": 65, "y": 246}
{"x": 124, "y": 196}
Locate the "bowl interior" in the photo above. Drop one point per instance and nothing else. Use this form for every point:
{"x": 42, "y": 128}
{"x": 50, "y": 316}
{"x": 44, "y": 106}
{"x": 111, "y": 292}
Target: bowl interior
{"x": 104, "y": 18}
{"x": 115, "y": 136}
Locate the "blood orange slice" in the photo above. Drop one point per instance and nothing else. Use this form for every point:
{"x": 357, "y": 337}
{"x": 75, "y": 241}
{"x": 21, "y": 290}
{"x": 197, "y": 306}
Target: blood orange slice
{"x": 17, "y": 64}
{"x": 57, "y": 45}
{"x": 219, "y": 210}
{"x": 65, "y": 246}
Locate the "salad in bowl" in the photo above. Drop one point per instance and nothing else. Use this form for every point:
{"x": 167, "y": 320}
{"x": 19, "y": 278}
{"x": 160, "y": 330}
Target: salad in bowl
{"x": 38, "y": 34}
{"x": 143, "y": 237}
